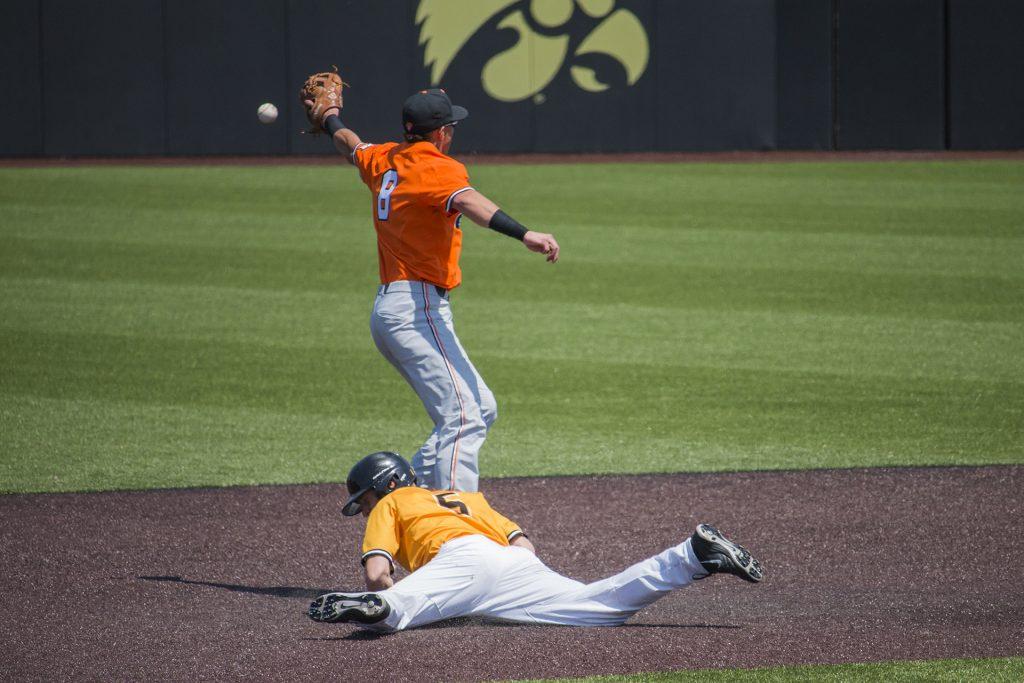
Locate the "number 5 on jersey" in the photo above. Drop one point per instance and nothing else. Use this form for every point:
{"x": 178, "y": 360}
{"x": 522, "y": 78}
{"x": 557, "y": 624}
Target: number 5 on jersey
{"x": 457, "y": 505}
{"x": 387, "y": 185}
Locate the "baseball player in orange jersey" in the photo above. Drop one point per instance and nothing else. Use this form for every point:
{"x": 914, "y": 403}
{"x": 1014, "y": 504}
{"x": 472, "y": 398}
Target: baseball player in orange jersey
{"x": 419, "y": 196}
{"x": 467, "y": 559}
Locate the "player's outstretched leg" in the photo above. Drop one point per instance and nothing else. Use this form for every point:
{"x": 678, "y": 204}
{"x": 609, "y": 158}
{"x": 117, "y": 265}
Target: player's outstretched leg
{"x": 362, "y": 608}
{"x": 717, "y": 554}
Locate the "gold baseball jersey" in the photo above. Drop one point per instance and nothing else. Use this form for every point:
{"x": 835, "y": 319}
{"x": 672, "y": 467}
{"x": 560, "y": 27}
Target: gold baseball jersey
{"x": 410, "y": 524}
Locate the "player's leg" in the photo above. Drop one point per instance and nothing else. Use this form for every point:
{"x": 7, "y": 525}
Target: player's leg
{"x": 459, "y": 444}
{"x": 481, "y": 392}
{"x": 393, "y": 327}
{"x": 446, "y": 587}
{"x": 529, "y": 591}
{"x": 518, "y": 580}
{"x": 540, "y": 595}
{"x": 424, "y": 461}
{"x": 612, "y": 601}
{"x": 412, "y": 323}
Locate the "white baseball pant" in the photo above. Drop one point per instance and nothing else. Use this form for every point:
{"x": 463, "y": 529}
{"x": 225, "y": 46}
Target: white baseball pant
{"x": 474, "y": 576}
{"x": 412, "y": 327}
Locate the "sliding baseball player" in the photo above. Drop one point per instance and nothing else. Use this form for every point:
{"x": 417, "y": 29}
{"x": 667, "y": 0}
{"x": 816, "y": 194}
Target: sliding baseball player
{"x": 466, "y": 559}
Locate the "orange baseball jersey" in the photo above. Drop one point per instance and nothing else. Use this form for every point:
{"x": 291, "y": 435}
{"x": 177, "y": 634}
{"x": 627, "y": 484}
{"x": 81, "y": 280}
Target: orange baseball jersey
{"x": 410, "y": 524}
{"x": 413, "y": 184}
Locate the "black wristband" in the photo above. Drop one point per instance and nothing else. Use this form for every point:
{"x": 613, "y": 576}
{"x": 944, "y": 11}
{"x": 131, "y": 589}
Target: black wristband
{"x": 506, "y": 225}
{"x": 332, "y": 124}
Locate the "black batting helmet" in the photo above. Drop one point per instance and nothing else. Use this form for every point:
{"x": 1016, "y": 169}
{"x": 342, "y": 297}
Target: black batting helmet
{"x": 376, "y": 471}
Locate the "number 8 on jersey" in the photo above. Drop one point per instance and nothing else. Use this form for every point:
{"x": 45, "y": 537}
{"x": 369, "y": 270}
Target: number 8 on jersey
{"x": 388, "y": 183}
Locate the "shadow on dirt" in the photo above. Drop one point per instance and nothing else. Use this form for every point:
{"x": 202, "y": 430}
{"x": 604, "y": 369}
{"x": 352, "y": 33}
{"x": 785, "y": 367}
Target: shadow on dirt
{"x": 275, "y": 591}
{"x": 297, "y": 592}
{"x": 463, "y": 622}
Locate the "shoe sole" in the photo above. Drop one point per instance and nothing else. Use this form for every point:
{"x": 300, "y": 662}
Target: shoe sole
{"x": 745, "y": 566}
{"x": 362, "y": 608}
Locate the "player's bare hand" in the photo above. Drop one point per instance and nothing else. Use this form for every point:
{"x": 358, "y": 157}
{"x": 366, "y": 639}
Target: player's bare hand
{"x": 542, "y": 243}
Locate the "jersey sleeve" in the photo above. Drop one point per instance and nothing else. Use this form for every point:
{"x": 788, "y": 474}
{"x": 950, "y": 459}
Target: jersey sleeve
{"x": 381, "y": 536}
{"x": 362, "y": 158}
{"x": 446, "y": 180}
{"x": 483, "y": 510}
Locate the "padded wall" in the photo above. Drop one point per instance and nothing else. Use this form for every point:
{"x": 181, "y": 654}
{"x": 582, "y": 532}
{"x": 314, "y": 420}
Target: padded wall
{"x": 224, "y": 59}
{"x": 986, "y": 74}
{"x": 21, "y": 126}
{"x": 890, "y": 74}
{"x": 102, "y": 77}
{"x": 184, "y": 77}
{"x": 804, "y": 53}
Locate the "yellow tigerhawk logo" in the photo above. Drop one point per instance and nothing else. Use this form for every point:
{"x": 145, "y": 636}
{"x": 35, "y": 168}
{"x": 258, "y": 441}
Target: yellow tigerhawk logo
{"x": 543, "y": 44}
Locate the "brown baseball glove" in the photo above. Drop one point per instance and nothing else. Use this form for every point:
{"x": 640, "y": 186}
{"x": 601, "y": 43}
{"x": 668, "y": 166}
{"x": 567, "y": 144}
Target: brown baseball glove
{"x": 324, "y": 91}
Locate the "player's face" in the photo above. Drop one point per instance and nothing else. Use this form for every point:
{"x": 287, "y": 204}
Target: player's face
{"x": 367, "y": 502}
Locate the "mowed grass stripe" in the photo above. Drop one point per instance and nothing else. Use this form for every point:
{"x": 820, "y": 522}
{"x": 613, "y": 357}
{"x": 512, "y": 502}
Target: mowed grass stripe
{"x": 259, "y": 316}
{"x": 781, "y": 287}
{"x": 606, "y": 417}
{"x": 685, "y": 338}
{"x": 736, "y": 275}
{"x": 86, "y": 445}
{"x": 631, "y": 334}
{"x": 873, "y": 275}
{"x": 968, "y": 199}
{"x": 997, "y": 670}
{"x": 821, "y": 251}
{"x": 249, "y": 266}
{"x": 683, "y": 242}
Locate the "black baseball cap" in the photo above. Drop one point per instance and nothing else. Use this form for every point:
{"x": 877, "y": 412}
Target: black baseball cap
{"x": 428, "y": 110}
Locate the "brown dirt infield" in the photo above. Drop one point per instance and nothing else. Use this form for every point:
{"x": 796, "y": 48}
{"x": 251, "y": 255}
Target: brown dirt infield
{"x": 862, "y": 565}
{"x": 743, "y": 157}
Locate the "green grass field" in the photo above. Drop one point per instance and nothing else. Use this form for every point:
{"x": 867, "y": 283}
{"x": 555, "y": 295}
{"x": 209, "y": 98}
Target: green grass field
{"x": 167, "y": 327}
{"x": 1010, "y": 670}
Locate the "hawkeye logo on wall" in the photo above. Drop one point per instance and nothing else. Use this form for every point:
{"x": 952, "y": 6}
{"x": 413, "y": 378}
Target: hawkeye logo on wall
{"x": 601, "y": 45}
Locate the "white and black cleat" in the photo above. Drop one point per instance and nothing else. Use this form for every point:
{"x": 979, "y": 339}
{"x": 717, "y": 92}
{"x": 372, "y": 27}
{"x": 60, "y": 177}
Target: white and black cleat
{"x": 362, "y": 608}
{"x": 717, "y": 554}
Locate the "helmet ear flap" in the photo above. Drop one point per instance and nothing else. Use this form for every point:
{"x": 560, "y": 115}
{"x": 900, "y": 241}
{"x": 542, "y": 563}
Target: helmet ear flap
{"x": 385, "y": 481}
{"x": 382, "y": 472}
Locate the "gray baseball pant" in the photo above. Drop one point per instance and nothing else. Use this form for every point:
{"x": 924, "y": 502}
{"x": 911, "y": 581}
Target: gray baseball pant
{"x": 412, "y": 327}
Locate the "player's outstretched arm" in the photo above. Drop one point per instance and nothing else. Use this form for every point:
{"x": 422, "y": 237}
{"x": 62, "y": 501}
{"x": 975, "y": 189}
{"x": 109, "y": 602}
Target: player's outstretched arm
{"x": 322, "y": 97}
{"x": 344, "y": 138}
{"x": 486, "y": 213}
{"x": 378, "y": 573}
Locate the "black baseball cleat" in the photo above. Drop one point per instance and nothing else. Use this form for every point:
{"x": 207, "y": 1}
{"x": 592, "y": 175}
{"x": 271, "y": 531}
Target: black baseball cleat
{"x": 362, "y": 608}
{"x": 717, "y": 554}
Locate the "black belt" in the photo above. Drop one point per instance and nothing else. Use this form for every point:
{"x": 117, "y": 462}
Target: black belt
{"x": 441, "y": 291}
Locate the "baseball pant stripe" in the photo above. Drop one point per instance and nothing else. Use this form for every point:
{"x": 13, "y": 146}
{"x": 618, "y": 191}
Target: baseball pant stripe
{"x": 455, "y": 381}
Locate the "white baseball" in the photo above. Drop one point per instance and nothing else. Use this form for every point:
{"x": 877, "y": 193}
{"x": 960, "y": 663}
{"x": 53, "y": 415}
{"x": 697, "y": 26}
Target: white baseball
{"x": 267, "y": 113}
